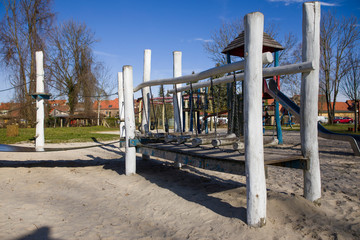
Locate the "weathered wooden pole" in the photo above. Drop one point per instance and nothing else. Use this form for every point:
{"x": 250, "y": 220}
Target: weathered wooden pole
{"x": 254, "y": 151}
{"x": 177, "y": 72}
{"x": 121, "y": 103}
{"x": 309, "y": 100}
{"x": 145, "y": 123}
{"x": 186, "y": 115}
{"x": 163, "y": 116}
{"x": 130, "y": 151}
{"x": 40, "y": 136}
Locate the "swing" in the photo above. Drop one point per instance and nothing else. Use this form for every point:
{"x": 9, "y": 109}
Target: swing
{"x": 166, "y": 119}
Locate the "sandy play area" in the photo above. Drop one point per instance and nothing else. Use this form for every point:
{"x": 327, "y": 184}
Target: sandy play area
{"x": 84, "y": 194}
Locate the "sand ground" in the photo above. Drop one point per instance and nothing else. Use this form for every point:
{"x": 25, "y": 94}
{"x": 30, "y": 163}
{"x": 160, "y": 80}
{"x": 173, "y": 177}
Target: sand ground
{"x": 84, "y": 194}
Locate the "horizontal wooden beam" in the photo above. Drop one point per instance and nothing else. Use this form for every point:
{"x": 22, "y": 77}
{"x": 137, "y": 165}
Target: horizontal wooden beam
{"x": 215, "y": 159}
{"x": 266, "y": 57}
{"x": 267, "y": 72}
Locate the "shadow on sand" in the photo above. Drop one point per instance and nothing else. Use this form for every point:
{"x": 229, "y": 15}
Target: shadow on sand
{"x": 42, "y": 233}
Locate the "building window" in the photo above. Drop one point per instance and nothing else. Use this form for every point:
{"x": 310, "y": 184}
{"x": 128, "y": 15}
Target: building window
{"x": 110, "y": 106}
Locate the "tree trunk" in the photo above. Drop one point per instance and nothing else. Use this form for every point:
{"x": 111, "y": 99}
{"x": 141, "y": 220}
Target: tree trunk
{"x": 355, "y": 116}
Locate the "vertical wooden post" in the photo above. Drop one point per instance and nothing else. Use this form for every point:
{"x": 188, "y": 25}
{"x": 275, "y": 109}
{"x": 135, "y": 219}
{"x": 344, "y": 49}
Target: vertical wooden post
{"x": 254, "y": 151}
{"x": 40, "y": 138}
{"x": 177, "y": 98}
{"x": 186, "y": 115}
{"x": 309, "y": 100}
{"x": 130, "y": 152}
{"x": 140, "y": 111}
{"x": 163, "y": 116}
{"x": 145, "y": 123}
{"x": 121, "y": 103}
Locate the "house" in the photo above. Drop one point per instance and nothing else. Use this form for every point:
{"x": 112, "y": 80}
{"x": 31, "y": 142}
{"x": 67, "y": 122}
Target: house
{"x": 342, "y": 109}
{"x": 108, "y": 108}
{"x": 58, "y": 108}
{"x": 9, "y": 112}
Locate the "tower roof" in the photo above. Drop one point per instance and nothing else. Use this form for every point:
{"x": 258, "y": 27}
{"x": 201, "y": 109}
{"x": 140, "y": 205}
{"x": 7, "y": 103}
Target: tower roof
{"x": 236, "y": 47}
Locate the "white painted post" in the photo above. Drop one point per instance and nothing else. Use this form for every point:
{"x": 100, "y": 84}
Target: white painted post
{"x": 309, "y": 100}
{"x": 130, "y": 152}
{"x": 254, "y": 151}
{"x": 40, "y": 138}
{"x": 177, "y": 70}
{"x": 121, "y": 103}
{"x": 186, "y": 116}
{"x": 145, "y": 123}
{"x": 163, "y": 116}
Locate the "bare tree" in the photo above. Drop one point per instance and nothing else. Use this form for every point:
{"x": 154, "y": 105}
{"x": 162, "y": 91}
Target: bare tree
{"x": 351, "y": 84}
{"x": 103, "y": 85}
{"x": 220, "y": 38}
{"x": 87, "y": 80}
{"x": 72, "y": 62}
{"x": 337, "y": 36}
{"x": 23, "y": 31}
{"x": 291, "y": 84}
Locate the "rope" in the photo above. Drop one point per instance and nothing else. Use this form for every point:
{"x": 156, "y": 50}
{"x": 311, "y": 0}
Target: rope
{"x": 153, "y": 107}
{"x": 16, "y": 109}
{"x": 7, "y": 89}
{"x": 213, "y": 105}
{"x": 142, "y": 110}
{"x": 95, "y": 96}
{"x": 178, "y": 110}
{"x": 274, "y": 123}
{"x": 192, "y": 109}
{"x": 166, "y": 119}
{"x": 233, "y": 106}
{"x": 205, "y": 108}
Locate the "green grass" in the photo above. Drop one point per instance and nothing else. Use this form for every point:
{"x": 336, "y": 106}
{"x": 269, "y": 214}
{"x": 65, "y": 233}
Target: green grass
{"x": 338, "y": 128}
{"x": 295, "y": 127}
{"x": 86, "y": 134}
{"x": 57, "y": 135}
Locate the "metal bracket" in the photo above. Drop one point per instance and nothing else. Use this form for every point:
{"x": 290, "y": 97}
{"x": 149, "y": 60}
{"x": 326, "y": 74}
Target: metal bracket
{"x": 41, "y": 95}
{"x": 134, "y": 142}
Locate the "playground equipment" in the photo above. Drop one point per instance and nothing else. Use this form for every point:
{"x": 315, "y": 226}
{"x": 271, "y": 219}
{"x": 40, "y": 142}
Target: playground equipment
{"x": 40, "y": 95}
{"x": 354, "y": 140}
{"x": 251, "y": 163}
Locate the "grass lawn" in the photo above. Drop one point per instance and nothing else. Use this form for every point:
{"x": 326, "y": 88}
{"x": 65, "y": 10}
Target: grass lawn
{"x": 57, "y": 135}
{"x": 338, "y": 128}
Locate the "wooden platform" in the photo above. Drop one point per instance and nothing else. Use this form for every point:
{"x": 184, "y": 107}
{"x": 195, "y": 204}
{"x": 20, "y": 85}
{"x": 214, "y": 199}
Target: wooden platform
{"x": 223, "y": 160}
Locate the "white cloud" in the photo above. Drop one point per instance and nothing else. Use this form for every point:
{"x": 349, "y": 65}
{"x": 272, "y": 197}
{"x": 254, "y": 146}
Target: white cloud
{"x": 288, "y": 2}
{"x": 203, "y": 40}
{"x": 105, "y": 54}
{"x": 325, "y": 4}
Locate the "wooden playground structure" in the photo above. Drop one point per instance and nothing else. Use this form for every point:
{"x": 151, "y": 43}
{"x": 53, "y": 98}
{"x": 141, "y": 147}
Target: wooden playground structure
{"x": 248, "y": 155}
{"x": 253, "y": 160}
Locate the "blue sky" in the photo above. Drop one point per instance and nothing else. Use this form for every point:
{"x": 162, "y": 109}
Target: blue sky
{"x": 126, "y": 28}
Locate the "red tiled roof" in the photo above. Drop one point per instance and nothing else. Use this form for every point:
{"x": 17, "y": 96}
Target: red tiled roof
{"x": 339, "y": 106}
{"x": 58, "y": 102}
{"x": 11, "y": 109}
{"x": 107, "y": 104}
{"x": 5, "y": 106}
{"x": 65, "y": 108}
